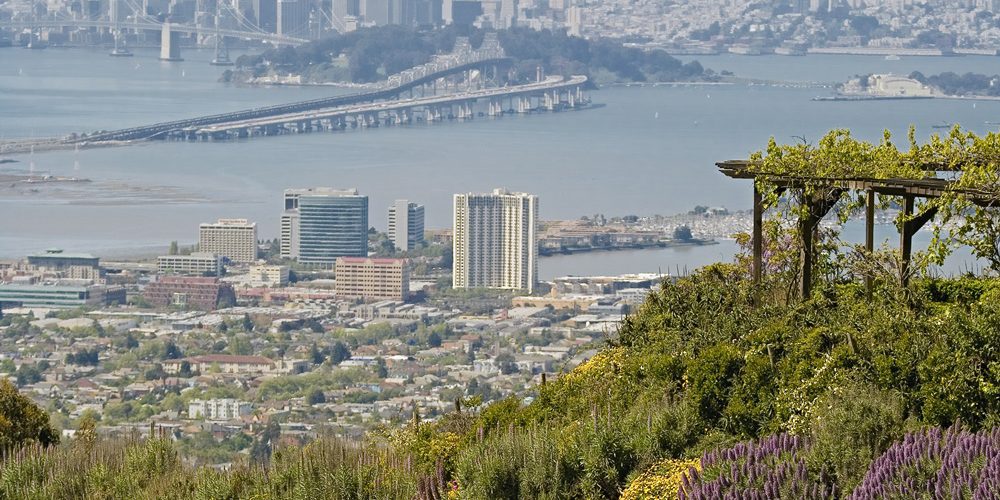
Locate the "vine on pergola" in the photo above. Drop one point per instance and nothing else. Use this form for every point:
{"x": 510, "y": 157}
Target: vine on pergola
{"x": 967, "y": 211}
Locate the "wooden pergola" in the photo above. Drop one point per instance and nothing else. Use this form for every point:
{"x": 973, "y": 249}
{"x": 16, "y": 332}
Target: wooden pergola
{"x": 827, "y": 192}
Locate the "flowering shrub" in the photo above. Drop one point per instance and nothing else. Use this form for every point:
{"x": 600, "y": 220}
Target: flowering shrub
{"x": 662, "y": 480}
{"x": 936, "y": 464}
{"x": 772, "y": 468}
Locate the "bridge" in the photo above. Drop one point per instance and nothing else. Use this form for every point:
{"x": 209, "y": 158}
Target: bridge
{"x": 151, "y": 25}
{"x": 551, "y": 94}
{"x": 478, "y": 76}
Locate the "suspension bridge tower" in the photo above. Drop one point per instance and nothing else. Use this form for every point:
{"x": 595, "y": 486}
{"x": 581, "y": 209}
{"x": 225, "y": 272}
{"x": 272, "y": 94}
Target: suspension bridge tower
{"x": 221, "y": 50}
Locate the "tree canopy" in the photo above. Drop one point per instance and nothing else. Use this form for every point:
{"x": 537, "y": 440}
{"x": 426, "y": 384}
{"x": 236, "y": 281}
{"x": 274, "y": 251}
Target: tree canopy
{"x": 22, "y": 421}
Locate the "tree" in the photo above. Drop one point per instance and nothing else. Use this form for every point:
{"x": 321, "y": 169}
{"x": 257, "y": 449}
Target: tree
{"x": 381, "y": 370}
{"x": 173, "y": 248}
{"x": 171, "y": 351}
{"x": 315, "y": 326}
{"x": 434, "y": 340}
{"x": 22, "y": 421}
{"x": 683, "y": 233}
{"x": 339, "y": 352}
{"x": 315, "y": 396}
{"x": 129, "y": 342}
{"x": 27, "y": 374}
{"x": 247, "y": 323}
{"x": 315, "y": 354}
{"x": 505, "y": 361}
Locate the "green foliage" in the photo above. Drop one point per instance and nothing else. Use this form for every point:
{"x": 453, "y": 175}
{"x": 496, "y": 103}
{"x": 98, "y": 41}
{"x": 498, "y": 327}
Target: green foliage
{"x": 22, "y": 422}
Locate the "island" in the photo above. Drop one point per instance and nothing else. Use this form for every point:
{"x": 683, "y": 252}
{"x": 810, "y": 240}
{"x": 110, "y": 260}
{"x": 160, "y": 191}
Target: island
{"x": 369, "y": 54}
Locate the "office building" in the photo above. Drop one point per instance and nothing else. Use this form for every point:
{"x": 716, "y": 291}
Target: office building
{"x": 55, "y": 259}
{"x": 195, "y": 264}
{"x": 381, "y": 12}
{"x": 406, "y": 225}
{"x": 293, "y": 17}
{"x": 366, "y": 278}
{"x": 266, "y": 14}
{"x": 190, "y": 292}
{"x": 321, "y": 224}
{"x": 344, "y": 8}
{"x": 268, "y": 275}
{"x": 234, "y": 239}
{"x": 60, "y": 294}
{"x": 495, "y": 241}
{"x": 461, "y": 12}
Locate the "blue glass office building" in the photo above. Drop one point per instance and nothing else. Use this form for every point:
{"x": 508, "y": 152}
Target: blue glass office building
{"x": 325, "y": 224}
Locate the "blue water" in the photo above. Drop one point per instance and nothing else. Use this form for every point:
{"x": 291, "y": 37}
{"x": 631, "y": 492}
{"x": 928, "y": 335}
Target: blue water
{"x": 647, "y": 151}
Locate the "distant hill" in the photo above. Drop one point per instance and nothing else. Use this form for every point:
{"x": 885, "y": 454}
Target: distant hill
{"x": 369, "y": 54}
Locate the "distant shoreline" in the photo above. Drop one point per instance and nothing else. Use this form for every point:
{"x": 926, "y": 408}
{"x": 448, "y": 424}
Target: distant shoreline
{"x": 641, "y": 246}
{"x": 847, "y": 51}
{"x": 857, "y": 98}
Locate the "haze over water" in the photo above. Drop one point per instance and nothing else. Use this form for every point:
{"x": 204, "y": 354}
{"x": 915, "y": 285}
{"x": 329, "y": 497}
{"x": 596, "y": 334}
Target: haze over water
{"x": 647, "y": 151}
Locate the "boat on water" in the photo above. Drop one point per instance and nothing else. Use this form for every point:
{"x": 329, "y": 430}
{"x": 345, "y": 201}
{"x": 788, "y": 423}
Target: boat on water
{"x": 943, "y": 125}
{"x": 892, "y": 57}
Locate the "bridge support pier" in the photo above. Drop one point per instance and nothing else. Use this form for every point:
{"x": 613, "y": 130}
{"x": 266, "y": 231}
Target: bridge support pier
{"x": 170, "y": 44}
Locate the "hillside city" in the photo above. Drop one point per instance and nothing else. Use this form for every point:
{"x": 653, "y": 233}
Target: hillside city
{"x": 331, "y": 328}
{"x": 788, "y": 27}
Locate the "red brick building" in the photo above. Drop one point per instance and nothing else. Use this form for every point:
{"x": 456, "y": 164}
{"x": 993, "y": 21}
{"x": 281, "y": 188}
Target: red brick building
{"x": 189, "y": 292}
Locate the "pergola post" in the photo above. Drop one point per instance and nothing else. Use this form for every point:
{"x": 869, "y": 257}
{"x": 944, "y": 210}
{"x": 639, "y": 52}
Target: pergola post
{"x": 758, "y": 234}
{"x": 816, "y": 206}
{"x": 910, "y": 227}
{"x": 870, "y": 238}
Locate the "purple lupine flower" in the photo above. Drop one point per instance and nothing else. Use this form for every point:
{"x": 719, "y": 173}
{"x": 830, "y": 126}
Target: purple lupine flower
{"x": 953, "y": 463}
{"x": 771, "y": 468}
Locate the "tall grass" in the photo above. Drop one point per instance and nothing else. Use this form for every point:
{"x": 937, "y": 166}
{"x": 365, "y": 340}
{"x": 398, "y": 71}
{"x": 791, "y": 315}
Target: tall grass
{"x": 152, "y": 468}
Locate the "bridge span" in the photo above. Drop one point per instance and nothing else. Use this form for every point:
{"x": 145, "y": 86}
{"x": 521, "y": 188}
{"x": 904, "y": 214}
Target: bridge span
{"x": 463, "y": 59}
{"x": 478, "y": 68}
{"x": 154, "y": 26}
{"x": 552, "y": 94}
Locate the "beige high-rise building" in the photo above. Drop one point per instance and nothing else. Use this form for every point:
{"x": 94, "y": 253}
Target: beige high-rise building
{"x": 234, "y": 239}
{"x": 495, "y": 241}
{"x": 406, "y": 225}
{"x": 371, "y": 278}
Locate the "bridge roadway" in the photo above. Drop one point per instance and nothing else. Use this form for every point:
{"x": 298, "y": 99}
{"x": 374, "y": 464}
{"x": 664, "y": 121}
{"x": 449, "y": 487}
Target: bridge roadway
{"x": 145, "y": 25}
{"x": 549, "y": 91}
{"x": 447, "y": 65}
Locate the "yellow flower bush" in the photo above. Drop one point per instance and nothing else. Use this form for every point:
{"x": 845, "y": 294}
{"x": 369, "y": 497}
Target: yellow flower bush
{"x": 601, "y": 365}
{"x": 662, "y": 480}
